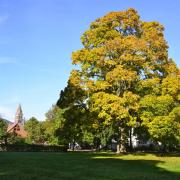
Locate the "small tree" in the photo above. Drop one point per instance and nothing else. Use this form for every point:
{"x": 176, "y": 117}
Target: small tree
{"x": 35, "y": 131}
{"x": 3, "y": 131}
{"x": 53, "y": 126}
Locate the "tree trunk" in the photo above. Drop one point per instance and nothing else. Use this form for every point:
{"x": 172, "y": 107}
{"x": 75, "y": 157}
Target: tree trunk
{"x": 165, "y": 148}
{"x": 130, "y": 139}
{"x": 5, "y": 140}
{"x": 73, "y": 144}
{"x": 122, "y": 140}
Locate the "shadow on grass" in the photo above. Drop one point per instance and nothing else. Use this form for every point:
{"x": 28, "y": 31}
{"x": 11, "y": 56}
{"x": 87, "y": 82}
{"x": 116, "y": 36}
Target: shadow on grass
{"x": 175, "y": 154}
{"x": 158, "y": 154}
{"x": 80, "y": 166}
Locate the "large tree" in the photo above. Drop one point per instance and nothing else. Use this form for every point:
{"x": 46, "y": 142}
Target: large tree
{"x": 121, "y": 55}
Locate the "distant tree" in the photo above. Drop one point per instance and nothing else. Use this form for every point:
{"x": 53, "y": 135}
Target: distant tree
{"x": 53, "y": 125}
{"x": 35, "y": 131}
{"x": 3, "y": 131}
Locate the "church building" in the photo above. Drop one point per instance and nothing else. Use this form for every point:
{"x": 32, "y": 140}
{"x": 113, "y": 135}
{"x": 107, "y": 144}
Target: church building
{"x": 18, "y": 126}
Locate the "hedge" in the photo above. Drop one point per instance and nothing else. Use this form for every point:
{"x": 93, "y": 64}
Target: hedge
{"x": 32, "y": 148}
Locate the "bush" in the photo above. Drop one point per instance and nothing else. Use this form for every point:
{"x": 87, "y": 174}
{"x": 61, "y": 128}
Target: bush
{"x": 32, "y": 148}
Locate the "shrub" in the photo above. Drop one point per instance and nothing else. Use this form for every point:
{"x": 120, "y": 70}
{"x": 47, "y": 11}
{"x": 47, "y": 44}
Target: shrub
{"x": 32, "y": 148}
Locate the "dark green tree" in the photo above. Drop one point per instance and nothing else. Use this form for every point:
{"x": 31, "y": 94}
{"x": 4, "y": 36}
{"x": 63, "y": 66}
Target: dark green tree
{"x": 73, "y": 100}
{"x": 3, "y": 131}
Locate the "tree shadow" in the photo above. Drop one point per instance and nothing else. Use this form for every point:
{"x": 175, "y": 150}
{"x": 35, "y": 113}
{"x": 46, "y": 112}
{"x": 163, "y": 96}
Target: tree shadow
{"x": 173, "y": 154}
{"x": 135, "y": 169}
{"x": 158, "y": 154}
{"x": 81, "y": 166}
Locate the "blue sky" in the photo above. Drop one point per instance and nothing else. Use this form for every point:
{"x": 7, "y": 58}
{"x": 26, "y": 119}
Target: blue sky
{"x": 37, "y": 38}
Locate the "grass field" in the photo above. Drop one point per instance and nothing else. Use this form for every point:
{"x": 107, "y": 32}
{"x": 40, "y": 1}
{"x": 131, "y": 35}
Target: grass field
{"x": 90, "y": 166}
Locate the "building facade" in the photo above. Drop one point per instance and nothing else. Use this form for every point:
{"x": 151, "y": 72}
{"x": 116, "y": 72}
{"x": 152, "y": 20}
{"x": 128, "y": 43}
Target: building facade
{"x": 18, "y": 126}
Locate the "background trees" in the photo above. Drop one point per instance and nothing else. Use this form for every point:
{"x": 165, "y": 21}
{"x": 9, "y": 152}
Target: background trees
{"x": 35, "y": 131}
{"x": 54, "y": 126}
{"x": 8, "y": 138}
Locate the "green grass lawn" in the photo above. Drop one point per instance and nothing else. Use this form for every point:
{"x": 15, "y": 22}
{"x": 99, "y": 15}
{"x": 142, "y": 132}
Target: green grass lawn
{"x": 90, "y": 166}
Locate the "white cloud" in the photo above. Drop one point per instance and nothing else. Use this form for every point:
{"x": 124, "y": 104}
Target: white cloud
{"x": 6, "y": 113}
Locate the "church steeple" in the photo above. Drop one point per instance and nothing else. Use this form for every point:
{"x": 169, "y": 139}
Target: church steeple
{"x": 19, "y": 115}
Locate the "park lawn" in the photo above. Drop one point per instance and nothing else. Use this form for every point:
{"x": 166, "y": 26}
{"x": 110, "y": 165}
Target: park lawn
{"x": 90, "y": 166}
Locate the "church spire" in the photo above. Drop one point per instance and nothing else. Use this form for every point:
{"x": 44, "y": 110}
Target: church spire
{"x": 19, "y": 115}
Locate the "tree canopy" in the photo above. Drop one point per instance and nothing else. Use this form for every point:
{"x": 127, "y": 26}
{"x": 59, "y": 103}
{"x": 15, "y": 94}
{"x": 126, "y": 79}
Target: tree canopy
{"x": 127, "y": 75}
